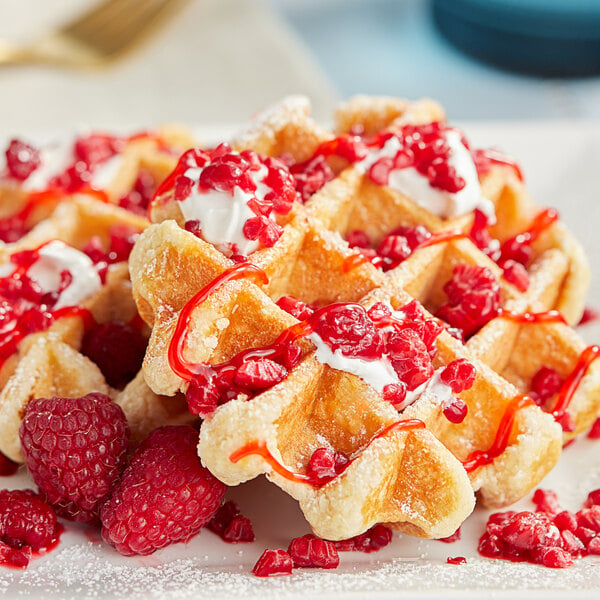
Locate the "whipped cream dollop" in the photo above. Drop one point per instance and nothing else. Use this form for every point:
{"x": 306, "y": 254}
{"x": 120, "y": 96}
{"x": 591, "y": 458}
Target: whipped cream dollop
{"x": 222, "y": 215}
{"x": 55, "y": 258}
{"x": 379, "y": 373}
{"x": 409, "y": 182}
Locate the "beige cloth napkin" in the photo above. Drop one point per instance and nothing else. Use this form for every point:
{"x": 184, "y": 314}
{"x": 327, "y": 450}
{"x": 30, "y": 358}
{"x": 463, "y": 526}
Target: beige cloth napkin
{"x": 217, "y": 62}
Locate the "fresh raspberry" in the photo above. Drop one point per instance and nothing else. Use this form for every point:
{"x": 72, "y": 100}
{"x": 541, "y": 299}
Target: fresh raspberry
{"x": 527, "y": 531}
{"x": 117, "y": 348}
{"x": 371, "y": 540}
{"x": 349, "y": 329}
{"x": 393, "y": 249}
{"x": 326, "y": 464}
{"x": 593, "y": 546}
{"x": 556, "y": 558}
{"x": 7, "y": 466}
{"x": 585, "y": 535}
{"x": 415, "y": 236}
{"x": 259, "y": 374}
{"x": 459, "y": 375}
{"x": 273, "y": 563}
{"x": 138, "y": 198}
{"x": 410, "y": 358}
{"x": 593, "y": 498}
{"x": 546, "y": 501}
{"x": 74, "y": 449}
{"x": 395, "y": 394}
{"x": 358, "y": 239}
{"x": 263, "y": 229}
{"x": 566, "y": 521}
{"x": 516, "y": 274}
{"x": 544, "y": 384}
{"x": 231, "y": 525}
{"x": 27, "y": 524}
{"x": 473, "y": 298}
{"x": 164, "y": 496}
{"x": 295, "y": 307}
{"x": 311, "y": 551}
{"x": 21, "y": 159}
{"x": 455, "y": 410}
{"x": 517, "y": 249}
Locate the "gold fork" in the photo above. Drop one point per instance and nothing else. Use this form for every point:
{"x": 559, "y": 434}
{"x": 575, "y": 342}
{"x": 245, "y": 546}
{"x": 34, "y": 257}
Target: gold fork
{"x": 98, "y": 36}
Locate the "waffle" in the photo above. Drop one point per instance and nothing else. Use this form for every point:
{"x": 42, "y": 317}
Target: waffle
{"x": 312, "y": 262}
{"x": 47, "y": 361}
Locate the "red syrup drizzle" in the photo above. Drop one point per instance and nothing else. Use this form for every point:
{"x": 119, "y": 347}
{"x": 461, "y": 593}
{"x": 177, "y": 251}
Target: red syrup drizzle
{"x": 478, "y": 458}
{"x": 484, "y": 158}
{"x": 259, "y": 448}
{"x": 37, "y": 315}
{"x": 178, "y": 364}
{"x": 547, "y": 316}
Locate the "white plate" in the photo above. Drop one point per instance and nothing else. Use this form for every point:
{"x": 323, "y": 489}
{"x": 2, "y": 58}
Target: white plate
{"x": 562, "y": 166}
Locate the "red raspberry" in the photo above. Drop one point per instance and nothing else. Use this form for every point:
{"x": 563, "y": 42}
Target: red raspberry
{"x": 589, "y": 518}
{"x": 95, "y": 148}
{"x": 259, "y": 374}
{"x": 325, "y": 464}
{"x": 415, "y": 236}
{"x": 273, "y": 563}
{"x": 295, "y": 307}
{"x": 572, "y": 544}
{"x": 349, "y": 329}
{"x": 556, "y": 558}
{"x": 528, "y": 531}
{"x": 164, "y": 496}
{"x": 544, "y": 384}
{"x": 395, "y": 394}
{"x": 593, "y": 546}
{"x": 516, "y": 274}
{"x": 311, "y": 551}
{"x": 546, "y": 501}
{"x": 358, "y": 239}
{"x": 118, "y": 349}
{"x": 473, "y": 298}
{"x": 231, "y": 525}
{"x": 594, "y": 432}
{"x": 566, "y": 521}
{"x": 393, "y": 249}
{"x": 371, "y": 540}
{"x": 27, "y": 524}
{"x": 459, "y": 375}
{"x": 455, "y": 410}
{"x": 21, "y": 159}
{"x": 410, "y": 358}
{"x": 593, "y": 498}
{"x": 74, "y": 449}
{"x": 138, "y": 198}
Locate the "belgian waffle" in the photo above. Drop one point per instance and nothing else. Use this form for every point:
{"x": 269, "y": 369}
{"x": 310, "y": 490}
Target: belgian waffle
{"x": 312, "y": 262}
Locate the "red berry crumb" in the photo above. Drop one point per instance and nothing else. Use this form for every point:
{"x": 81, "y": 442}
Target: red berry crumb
{"x": 311, "y": 551}
{"x": 459, "y": 375}
{"x": 273, "y": 563}
{"x": 164, "y": 496}
{"x": 456, "y": 560}
{"x": 21, "y": 159}
{"x": 544, "y": 384}
{"x": 326, "y": 464}
{"x": 371, "y": 540}
{"x": 546, "y": 501}
{"x": 27, "y": 524}
{"x": 231, "y": 525}
{"x": 75, "y": 449}
{"x": 516, "y": 274}
{"x": 455, "y": 410}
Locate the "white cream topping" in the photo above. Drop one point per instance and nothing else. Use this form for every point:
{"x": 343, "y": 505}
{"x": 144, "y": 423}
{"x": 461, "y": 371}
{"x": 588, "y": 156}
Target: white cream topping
{"x": 379, "y": 373}
{"x": 222, "y": 215}
{"x": 411, "y": 183}
{"x": 56, "y": 257}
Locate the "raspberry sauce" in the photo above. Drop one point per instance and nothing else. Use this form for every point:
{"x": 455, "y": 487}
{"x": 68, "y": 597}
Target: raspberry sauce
{"x": 259, "y": 448}
{"x": 479, "y": 458}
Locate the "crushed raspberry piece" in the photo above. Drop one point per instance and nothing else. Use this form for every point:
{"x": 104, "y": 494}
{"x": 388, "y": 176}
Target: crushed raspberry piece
{"x": 164, "y": 496}
{"x": 455, "y": 410}
{"x": 473, "y": 298}
{"x": 117, "y": 348}
{"x": 544, "y": 384}
{"x": 295, "y": 307}
{"x": 138, "y": 198}
{"x": 395, "y": 394}
{"x": 451, "y": 538}
{"x": 410, "y": 358}
{"x": 96, "y": 148}
{"x": 546, "y": 501}
{"x": 273, "y": 563}
{"x": 556, "y": 558}
{"x": 459, "y": 375}
{"x": 27, "y": 524}
{"x": 517, "y": 249}
{"x": 456, "y": 560}
{"x": 593, "y": 546}
{"x": 594, "y": 432}
{"x": 311, "y": 551}
{"x": 202, "y": 395}
{"x": 393, "y": 249}
{"x": 75, "y": 449}
{"x": 259, "y": 374}
{"x": 593, "y": 498}
{"x": 358, "y": 239}
{"x": 566, "y": 521}
{"x": 371, "y": 540}
{"x": 21, "y": 159}
{"x": 572, "y": 544}
{"x": 311, "y": 176}
{"x": 481, "y": 237}
{"x": 349, "y": 329}
{"x": 7, "y": 466}
{"x": 516, "y": 274}
{"x": 231, "y": 525}
{"x": 589, "y": 518}
{"x": 326, "y": 464}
